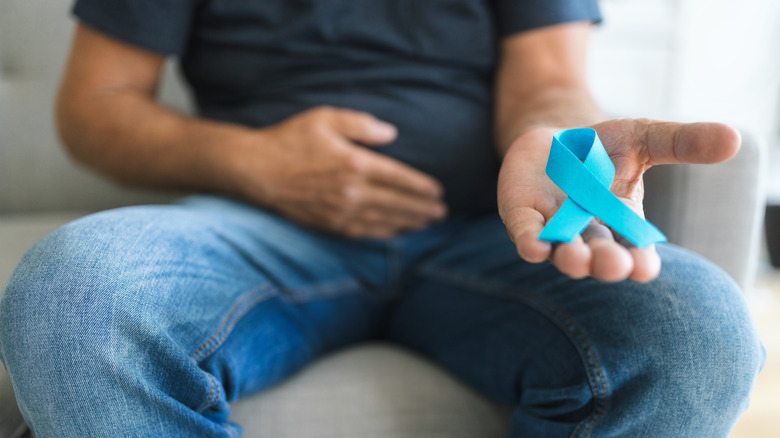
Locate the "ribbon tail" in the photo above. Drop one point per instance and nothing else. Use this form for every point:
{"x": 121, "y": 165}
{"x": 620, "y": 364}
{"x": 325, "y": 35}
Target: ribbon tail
{"x": 570, "y": 221}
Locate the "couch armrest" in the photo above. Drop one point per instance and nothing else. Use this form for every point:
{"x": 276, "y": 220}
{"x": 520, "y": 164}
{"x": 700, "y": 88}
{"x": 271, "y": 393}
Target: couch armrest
{"x": 714, "y": 210}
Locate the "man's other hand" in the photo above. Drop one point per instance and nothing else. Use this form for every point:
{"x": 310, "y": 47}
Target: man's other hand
{"x": 527, "y": 198}
{"x": 313, "y": 169}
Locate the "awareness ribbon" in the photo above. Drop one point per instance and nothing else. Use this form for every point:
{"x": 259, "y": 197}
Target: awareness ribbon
{"x": 581, "y": 167}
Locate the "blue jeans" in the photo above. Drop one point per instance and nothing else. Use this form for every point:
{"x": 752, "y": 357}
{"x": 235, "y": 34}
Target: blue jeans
{"x": 148, "y": 321}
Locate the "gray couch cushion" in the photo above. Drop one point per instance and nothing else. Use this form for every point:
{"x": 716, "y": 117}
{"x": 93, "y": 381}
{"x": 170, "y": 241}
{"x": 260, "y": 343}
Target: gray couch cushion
{"x": 372, "y": 390}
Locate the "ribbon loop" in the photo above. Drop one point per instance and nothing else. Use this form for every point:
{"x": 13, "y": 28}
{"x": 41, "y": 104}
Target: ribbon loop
{"x": 581, "y": 167}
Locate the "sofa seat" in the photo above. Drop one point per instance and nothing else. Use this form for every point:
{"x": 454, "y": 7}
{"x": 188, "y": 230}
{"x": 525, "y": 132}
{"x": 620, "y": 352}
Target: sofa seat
{"x": 370, "y": 390}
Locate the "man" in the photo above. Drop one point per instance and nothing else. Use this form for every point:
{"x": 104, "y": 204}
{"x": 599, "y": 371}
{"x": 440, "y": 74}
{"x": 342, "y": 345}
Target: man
{"x": 353, "y": 149}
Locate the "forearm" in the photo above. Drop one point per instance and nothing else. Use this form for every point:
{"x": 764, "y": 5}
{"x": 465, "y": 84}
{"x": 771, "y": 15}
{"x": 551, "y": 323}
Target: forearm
{"x": 541, "y": 82}
{"x": 551, "y": 106}
{"x": 130, "y": 138}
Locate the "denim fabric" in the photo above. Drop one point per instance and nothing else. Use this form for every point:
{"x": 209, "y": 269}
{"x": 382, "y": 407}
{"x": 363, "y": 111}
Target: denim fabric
{"x": 148, "y": 321}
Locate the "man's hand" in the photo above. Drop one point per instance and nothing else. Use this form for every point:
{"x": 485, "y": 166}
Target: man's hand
{"x": 527, "y": 198}
{"x": 312, "y": 169}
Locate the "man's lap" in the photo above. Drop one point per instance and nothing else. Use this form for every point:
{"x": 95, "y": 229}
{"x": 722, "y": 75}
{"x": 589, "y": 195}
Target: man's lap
{"x": 226, "y": 281}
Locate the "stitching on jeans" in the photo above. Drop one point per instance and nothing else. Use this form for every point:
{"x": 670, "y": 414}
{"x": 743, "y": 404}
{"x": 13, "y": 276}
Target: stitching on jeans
{"x": 590, "y": 360}
{"x": 555, "y": 314}
{"x": 244, "y": 305}
{"x": 211, "y": 395}
{"x": 229, "y": 328}
{"x": 322, "y": 291}
{"x": 227, "y": 318}
{"x": 262, "y": 290}
{"x": 241, "y": 308}
{"x": 233, "y": 323}
{"x": 599, "y": 409}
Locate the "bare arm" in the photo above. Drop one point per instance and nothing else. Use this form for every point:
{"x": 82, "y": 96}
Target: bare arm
{"x": 109, "y": 120}
{"x": 309, "y": 167}
{"x": 540, "y": 82}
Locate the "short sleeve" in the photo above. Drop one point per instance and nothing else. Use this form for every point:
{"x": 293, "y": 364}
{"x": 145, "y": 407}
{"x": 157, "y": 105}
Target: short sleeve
{"x": 519, "y": 15}
{"x": 161, "y": 26}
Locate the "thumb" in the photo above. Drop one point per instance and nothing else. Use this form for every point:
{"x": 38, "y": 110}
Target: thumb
{"x": 363, "y": 127}
{"x": 670, "y": 142}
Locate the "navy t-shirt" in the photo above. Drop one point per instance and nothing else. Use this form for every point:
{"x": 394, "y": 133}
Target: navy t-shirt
{"x": 424, "y": 65}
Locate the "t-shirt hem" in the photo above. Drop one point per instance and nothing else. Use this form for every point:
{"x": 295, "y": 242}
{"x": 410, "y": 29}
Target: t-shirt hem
{"x": 514, "y": 19}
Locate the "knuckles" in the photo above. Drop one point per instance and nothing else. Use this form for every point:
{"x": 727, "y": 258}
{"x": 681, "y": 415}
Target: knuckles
{"x": 351, "y": 197}
{"x": 313, "y": 130}
{"x": 356, "y": 163}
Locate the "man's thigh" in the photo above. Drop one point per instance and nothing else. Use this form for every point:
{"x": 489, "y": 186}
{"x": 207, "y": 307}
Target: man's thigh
{"x": 177, "y": 310}
{"x": 582, "y": 357}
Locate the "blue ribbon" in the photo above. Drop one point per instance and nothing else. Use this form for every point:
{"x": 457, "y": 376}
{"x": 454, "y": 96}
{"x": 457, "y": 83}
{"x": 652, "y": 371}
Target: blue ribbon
{"x": 581, "y": 167}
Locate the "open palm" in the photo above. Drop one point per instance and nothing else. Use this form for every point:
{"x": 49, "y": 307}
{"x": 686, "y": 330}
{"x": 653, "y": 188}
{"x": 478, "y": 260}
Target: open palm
{"x": 527, "y": 198}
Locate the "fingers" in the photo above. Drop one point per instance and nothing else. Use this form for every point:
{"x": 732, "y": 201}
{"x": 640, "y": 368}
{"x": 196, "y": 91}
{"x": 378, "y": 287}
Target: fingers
{"x": 364, "y": 128}
{"x": 368, "y": 202}
{"x": 611, "y": 261}
{"x": 373, "y": 222}
{"x": 365, "y": 209}
{"x": 594, "y": 254}
{"x": 647, "y": 264}
{"x": 573, "y": 259}
{"x": 411, "y": 208}
{"x": 369, "y": 226}
{"x": 597, "y": 254}
{"x": 361, "y": 127}
{"x": 524, "y": 224}
{"x": 392, "y": 173}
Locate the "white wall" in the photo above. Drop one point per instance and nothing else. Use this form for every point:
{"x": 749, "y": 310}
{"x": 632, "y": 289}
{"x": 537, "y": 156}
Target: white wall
{"x": 729, "y": 62}
{"x": 691, "y": 60}
{"x": 631, "y": 57}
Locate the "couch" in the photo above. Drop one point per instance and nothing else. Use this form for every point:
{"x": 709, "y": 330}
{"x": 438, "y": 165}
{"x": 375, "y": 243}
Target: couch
{"x": 375, "y": 389}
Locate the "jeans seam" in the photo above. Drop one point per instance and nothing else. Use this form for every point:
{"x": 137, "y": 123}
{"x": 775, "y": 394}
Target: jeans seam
{"x": 208, "y": 401}
{"x": 247, "y": 303}
{"x": 590, "y": 362}
{"x": 322, "y": 291}
{"x": 557, "y": 316}
{"x": 230, "y": 320}
{"x": 233, "y": 316}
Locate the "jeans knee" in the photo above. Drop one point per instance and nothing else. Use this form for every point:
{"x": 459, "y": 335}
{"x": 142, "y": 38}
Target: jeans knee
{"x": 701, "y": 353}
{"x": 81, "y": 323}
{"x": 74, "y": 287}
{"x": 50, "y": 293}
{"x": 730, "y": 356}
{"x": 715, "y": 328}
